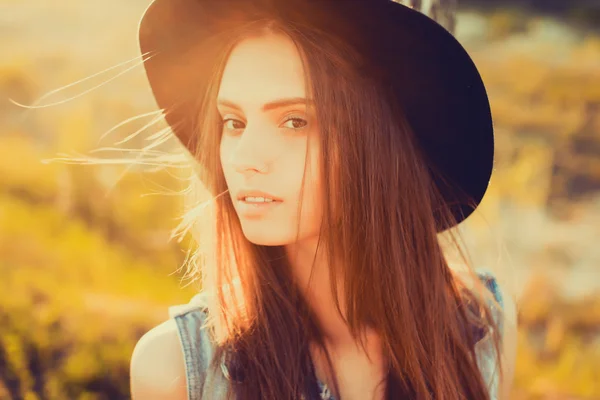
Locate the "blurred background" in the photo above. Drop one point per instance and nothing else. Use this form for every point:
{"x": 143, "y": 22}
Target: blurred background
{"x": 86, "y": 261}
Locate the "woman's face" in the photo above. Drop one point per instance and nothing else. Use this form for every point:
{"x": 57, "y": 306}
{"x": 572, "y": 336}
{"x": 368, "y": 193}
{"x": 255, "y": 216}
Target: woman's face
{"x": 268, "y": 122}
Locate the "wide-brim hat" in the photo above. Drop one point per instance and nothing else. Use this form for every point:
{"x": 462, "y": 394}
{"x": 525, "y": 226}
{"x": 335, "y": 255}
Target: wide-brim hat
{"x": 428, "y": 71}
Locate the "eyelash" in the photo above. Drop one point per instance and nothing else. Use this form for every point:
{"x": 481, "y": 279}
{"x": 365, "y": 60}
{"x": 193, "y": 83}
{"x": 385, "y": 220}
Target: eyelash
{"x": 287, "y": 119}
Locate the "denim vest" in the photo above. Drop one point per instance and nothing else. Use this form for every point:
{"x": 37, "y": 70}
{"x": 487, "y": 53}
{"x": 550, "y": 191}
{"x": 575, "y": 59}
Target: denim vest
{"x": 198, "y": 351}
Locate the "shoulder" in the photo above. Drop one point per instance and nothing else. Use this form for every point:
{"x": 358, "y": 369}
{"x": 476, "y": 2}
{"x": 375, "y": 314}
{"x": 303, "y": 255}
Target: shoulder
{"x": 509, "y": 340}
{"x": 157, "y": 368}
{"x": 506, "y": 314}
{"x": 506, "y": 318}
{"x": 158, "y": 361}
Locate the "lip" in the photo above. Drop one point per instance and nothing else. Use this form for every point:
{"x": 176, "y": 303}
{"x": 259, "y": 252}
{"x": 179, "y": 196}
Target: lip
{"x": 255, "y": 210}
{"x": 256, "y": 193}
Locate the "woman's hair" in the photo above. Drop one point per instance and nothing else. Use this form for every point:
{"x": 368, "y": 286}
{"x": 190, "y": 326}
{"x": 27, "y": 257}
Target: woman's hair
{"x": 379, "y": 232}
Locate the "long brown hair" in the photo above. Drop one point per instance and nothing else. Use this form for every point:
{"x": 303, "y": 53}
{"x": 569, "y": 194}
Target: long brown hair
{"x": 380, "y": 234}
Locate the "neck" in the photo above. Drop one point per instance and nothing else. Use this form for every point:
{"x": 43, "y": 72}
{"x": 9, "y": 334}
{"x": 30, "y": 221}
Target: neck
{"x": 311, "y": 272}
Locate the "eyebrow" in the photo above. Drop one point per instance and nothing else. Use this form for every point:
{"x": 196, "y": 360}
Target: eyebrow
{"x": 273, "y": 105}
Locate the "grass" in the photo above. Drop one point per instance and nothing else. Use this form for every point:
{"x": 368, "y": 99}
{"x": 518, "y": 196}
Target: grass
{"x": 87, "y": 270}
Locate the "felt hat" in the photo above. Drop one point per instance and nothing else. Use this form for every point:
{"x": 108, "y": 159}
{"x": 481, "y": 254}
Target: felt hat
{"x": 431, "y": 75}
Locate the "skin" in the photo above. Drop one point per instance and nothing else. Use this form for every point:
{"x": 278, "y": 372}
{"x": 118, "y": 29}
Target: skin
{"x": 262, "y": 148}
{"x": 266, "y": 149}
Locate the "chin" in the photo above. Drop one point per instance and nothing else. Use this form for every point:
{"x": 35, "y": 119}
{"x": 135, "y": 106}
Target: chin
{"x": 263, "y": 235}
{"x": 263, "y": 242}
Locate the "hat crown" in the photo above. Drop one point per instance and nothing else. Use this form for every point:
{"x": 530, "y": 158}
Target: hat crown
{"x": 429, "y": 74}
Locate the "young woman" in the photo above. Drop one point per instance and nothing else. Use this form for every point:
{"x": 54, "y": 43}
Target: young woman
{"x": 338, "y": 140}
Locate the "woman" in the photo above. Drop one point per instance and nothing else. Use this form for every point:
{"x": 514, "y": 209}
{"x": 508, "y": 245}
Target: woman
{"x": 338, "y": 139}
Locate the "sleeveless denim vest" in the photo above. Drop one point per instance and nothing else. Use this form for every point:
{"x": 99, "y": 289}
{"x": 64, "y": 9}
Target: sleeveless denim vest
{"x": 198, "y": 351}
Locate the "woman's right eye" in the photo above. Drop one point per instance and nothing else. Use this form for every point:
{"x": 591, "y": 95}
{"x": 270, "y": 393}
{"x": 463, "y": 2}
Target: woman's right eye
{"x": 233, "y": 124}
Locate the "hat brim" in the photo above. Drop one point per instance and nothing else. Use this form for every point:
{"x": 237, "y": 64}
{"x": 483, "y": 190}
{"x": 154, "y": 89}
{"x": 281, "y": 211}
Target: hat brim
{"x": 430, "y": 73}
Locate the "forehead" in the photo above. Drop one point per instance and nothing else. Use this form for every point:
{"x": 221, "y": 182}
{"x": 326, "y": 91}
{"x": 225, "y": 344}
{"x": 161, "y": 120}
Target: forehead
{"x": 260, "y": 69}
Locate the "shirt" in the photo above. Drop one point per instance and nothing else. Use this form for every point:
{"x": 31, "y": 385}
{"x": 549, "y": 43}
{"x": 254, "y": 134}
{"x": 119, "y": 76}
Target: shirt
{"x": 198, "y": 350}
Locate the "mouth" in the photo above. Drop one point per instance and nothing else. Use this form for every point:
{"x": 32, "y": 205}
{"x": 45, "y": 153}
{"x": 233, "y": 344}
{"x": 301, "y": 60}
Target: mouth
{"x": 256, "y": 207}
{"x": 256, "y": 196}
{"x": 258, "y": 200}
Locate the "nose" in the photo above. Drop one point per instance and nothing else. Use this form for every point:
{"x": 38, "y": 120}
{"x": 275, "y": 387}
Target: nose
{"x": 249, "y": 167}
{"x": 251, "y": 154}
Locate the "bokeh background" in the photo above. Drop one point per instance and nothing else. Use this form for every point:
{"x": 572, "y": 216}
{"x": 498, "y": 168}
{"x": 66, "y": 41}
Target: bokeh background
{"x": 87, "y": 262}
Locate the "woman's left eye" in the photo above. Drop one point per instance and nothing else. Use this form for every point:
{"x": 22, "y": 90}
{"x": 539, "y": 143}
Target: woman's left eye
{"x": 295, "y": 123}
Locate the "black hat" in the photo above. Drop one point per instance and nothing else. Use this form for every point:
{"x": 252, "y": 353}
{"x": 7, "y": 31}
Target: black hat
{"x": 423, "y": 65}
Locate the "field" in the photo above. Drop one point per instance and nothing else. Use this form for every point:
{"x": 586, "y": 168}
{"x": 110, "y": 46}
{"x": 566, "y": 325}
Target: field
{"x": 86, "y": 260}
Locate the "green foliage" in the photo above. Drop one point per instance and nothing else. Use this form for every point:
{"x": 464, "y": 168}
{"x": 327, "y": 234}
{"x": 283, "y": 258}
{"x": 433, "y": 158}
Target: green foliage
{"x": 86, "y": 269}
{"x": 559, "y": 346}
{"x": 72, "y": 302}
{"x": 506, "y": 22}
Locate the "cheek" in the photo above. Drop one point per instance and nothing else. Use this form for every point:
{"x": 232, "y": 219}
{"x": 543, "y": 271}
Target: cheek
{"x": 224, "y": 155}
{"x": 303, "y": 169}
{"x": 312, "y": 195}
{"x": 313, "y": 178}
